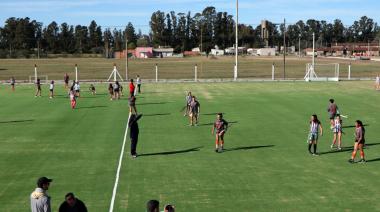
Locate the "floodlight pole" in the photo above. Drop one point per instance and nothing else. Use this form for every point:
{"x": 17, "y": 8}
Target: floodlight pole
{"x": 299, "y": 45}
{"x": 76, "y": 73}
{"x": 35, "y": 72}
{"x": 126, "y": 56}
{"x": 284, "y": 48}
{"x": 236, "y": 41}
{"x": 313, "y": 61}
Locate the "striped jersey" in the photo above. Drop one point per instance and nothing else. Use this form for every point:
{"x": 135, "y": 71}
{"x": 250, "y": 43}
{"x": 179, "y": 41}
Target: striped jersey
{"x": 337, "y": 125}
{"x": 314, "y": 127}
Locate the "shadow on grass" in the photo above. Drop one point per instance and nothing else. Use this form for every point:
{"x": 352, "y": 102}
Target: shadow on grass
{"x": 247, "y": 148}
{"x": 212, "y": 114}
{"x": 373, "y": 160}
{"x": 3, "y": 69}
{"x": 16, "y": 121}
{"x": 353, "y": 126}
{"x": 195, "y": 149}
{"x": 91, "y": 107}
{"x": 210, "y": 124}
{"x": 152, "y": 103}
{"x": 347, "y": 149}
{"x": 157, "y": 114}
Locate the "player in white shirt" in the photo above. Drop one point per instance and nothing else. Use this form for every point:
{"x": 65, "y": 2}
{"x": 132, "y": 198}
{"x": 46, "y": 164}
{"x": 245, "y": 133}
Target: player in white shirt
{"x": 51, "y": 89}
{"x": 377, "y": 83}
{"x": 77, "y": 89}
{"x": 138, "y": 82}
{"x": 337, "y": 130}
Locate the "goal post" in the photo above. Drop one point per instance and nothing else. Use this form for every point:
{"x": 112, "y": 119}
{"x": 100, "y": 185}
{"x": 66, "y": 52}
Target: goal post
{"x": 322, "y": 72}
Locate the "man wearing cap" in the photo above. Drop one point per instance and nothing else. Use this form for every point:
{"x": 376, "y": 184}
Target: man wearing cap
{"x": 39, "y": 199}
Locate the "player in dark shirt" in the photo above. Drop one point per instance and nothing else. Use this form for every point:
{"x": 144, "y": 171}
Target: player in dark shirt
{"x": 110, "y": 90}
{"x": 220, "y": 128}
{"x": 359, "y": 142}
{"x": 134, "y": 133}
{"x": 66, "y": 78}
{"x": 132, "y": 105}
{"x": 13, "y": 82}
{"x": 38, "y": 87}
{"x": 333, "y": 110}
{"x": 92, "y": 89}
{"x": 195, "y": 108}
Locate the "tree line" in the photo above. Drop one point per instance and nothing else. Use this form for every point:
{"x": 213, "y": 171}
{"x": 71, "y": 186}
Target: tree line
{"x": 22, "y": 37}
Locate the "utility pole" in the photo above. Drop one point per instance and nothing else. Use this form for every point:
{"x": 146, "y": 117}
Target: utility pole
{"x": 126, "y": 56}
{"x": 299, "y": 45}
{"x": 236, "y": 40}
{"x": 284, "y": 47}
{"x": 38, "y": 49}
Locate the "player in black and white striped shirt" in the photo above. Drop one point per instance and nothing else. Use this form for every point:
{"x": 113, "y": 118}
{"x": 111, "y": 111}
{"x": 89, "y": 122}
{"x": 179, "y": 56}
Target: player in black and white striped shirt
{"x": 315, "y": 129}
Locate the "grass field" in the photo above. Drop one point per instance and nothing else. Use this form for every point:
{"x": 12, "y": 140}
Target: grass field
{"x": 265, "y": 167}
{"x": 178, "y": 68}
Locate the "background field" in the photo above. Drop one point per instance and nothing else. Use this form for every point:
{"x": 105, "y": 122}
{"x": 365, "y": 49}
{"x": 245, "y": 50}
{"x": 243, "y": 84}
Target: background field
{"x": 266, "y": 166}
{"x": 178, "y": 68}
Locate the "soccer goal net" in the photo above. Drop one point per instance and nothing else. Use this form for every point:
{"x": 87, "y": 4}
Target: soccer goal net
{"x": 44, "y": 79}
{"x": 322, "y": 72}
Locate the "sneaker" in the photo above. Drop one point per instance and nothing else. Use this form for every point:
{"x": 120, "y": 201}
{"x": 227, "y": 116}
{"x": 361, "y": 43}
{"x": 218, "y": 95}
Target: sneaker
{"x": 310, "y": 153}
{"x": 362, "y": 161}
{"x": 216, "y": 150}
{"x": 134, "y": 156}
{"x": 339, "y": 148}
{"x": 315, "y": 154}
{"x": 351, "y": 161}
{"x": 332, "y": 146}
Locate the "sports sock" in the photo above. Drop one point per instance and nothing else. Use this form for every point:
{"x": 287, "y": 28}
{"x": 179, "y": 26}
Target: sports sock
{"x": 315, "y": 148}
{"x": 353, "y": 155}
{"x": 309, "y": 147}
{"x": 362, "y": 154}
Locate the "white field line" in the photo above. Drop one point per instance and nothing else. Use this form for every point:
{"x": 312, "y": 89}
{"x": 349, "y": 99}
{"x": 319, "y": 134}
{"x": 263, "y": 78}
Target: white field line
{"x": 119, "y": 167}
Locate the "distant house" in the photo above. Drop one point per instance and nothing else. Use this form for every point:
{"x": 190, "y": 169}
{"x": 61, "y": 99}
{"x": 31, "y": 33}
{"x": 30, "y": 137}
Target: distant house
{"x": 144, "y": 52}
{"x": 163, "y": 52}
{"x": 266, "y": 52}
{"x": 231, "y": 50}
{"x": 348, "y": 49}
{"x": 217, "y": 52}
{"x": 121, "y": 54}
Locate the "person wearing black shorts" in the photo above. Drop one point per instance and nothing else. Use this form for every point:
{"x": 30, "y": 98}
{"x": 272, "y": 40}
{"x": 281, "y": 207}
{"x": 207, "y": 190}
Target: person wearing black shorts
{"x": 116, "y": 90}
{"x": 134, "y": 133}
{"x": 38, "y": 87}
{"x": 13, "y": 82}
{"x": 359, "y": 142}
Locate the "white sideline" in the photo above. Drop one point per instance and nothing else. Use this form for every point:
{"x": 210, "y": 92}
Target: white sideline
{"x": 119, "y": 167}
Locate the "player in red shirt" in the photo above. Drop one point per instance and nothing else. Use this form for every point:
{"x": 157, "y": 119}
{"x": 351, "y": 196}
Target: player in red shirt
{"x": 131, "y": 88}
{"x": 220, "y": 127}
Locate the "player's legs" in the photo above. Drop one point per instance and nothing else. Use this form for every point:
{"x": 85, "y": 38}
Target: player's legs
{"x": 216, "y": 142}
{"x": 360, "y": 147}
{"x": 339, "y": 140}
{"x": 222, "y": 141}
{"x": 353, "y": 155}
{"x": 334, "y": 140}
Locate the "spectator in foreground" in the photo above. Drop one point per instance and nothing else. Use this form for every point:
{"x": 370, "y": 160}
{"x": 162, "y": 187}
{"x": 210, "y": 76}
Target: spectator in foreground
{"x": 39, "y": 199}
{"x": 153, "y": 206}
{"x": 72, "y": 204}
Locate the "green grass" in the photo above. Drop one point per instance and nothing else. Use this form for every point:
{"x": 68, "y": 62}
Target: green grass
{"x": 177, "y": 68}
{"x": 266, "y": 167}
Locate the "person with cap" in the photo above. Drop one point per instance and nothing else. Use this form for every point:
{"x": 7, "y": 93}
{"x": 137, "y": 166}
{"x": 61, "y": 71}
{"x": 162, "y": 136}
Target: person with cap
{"x": 72, "y": 204}
{"x": 134, "y": 133}
{"x": 39, "y": 199}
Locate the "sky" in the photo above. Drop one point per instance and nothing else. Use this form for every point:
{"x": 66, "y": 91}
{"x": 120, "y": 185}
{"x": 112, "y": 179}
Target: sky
{"x": 117, "y": 13}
